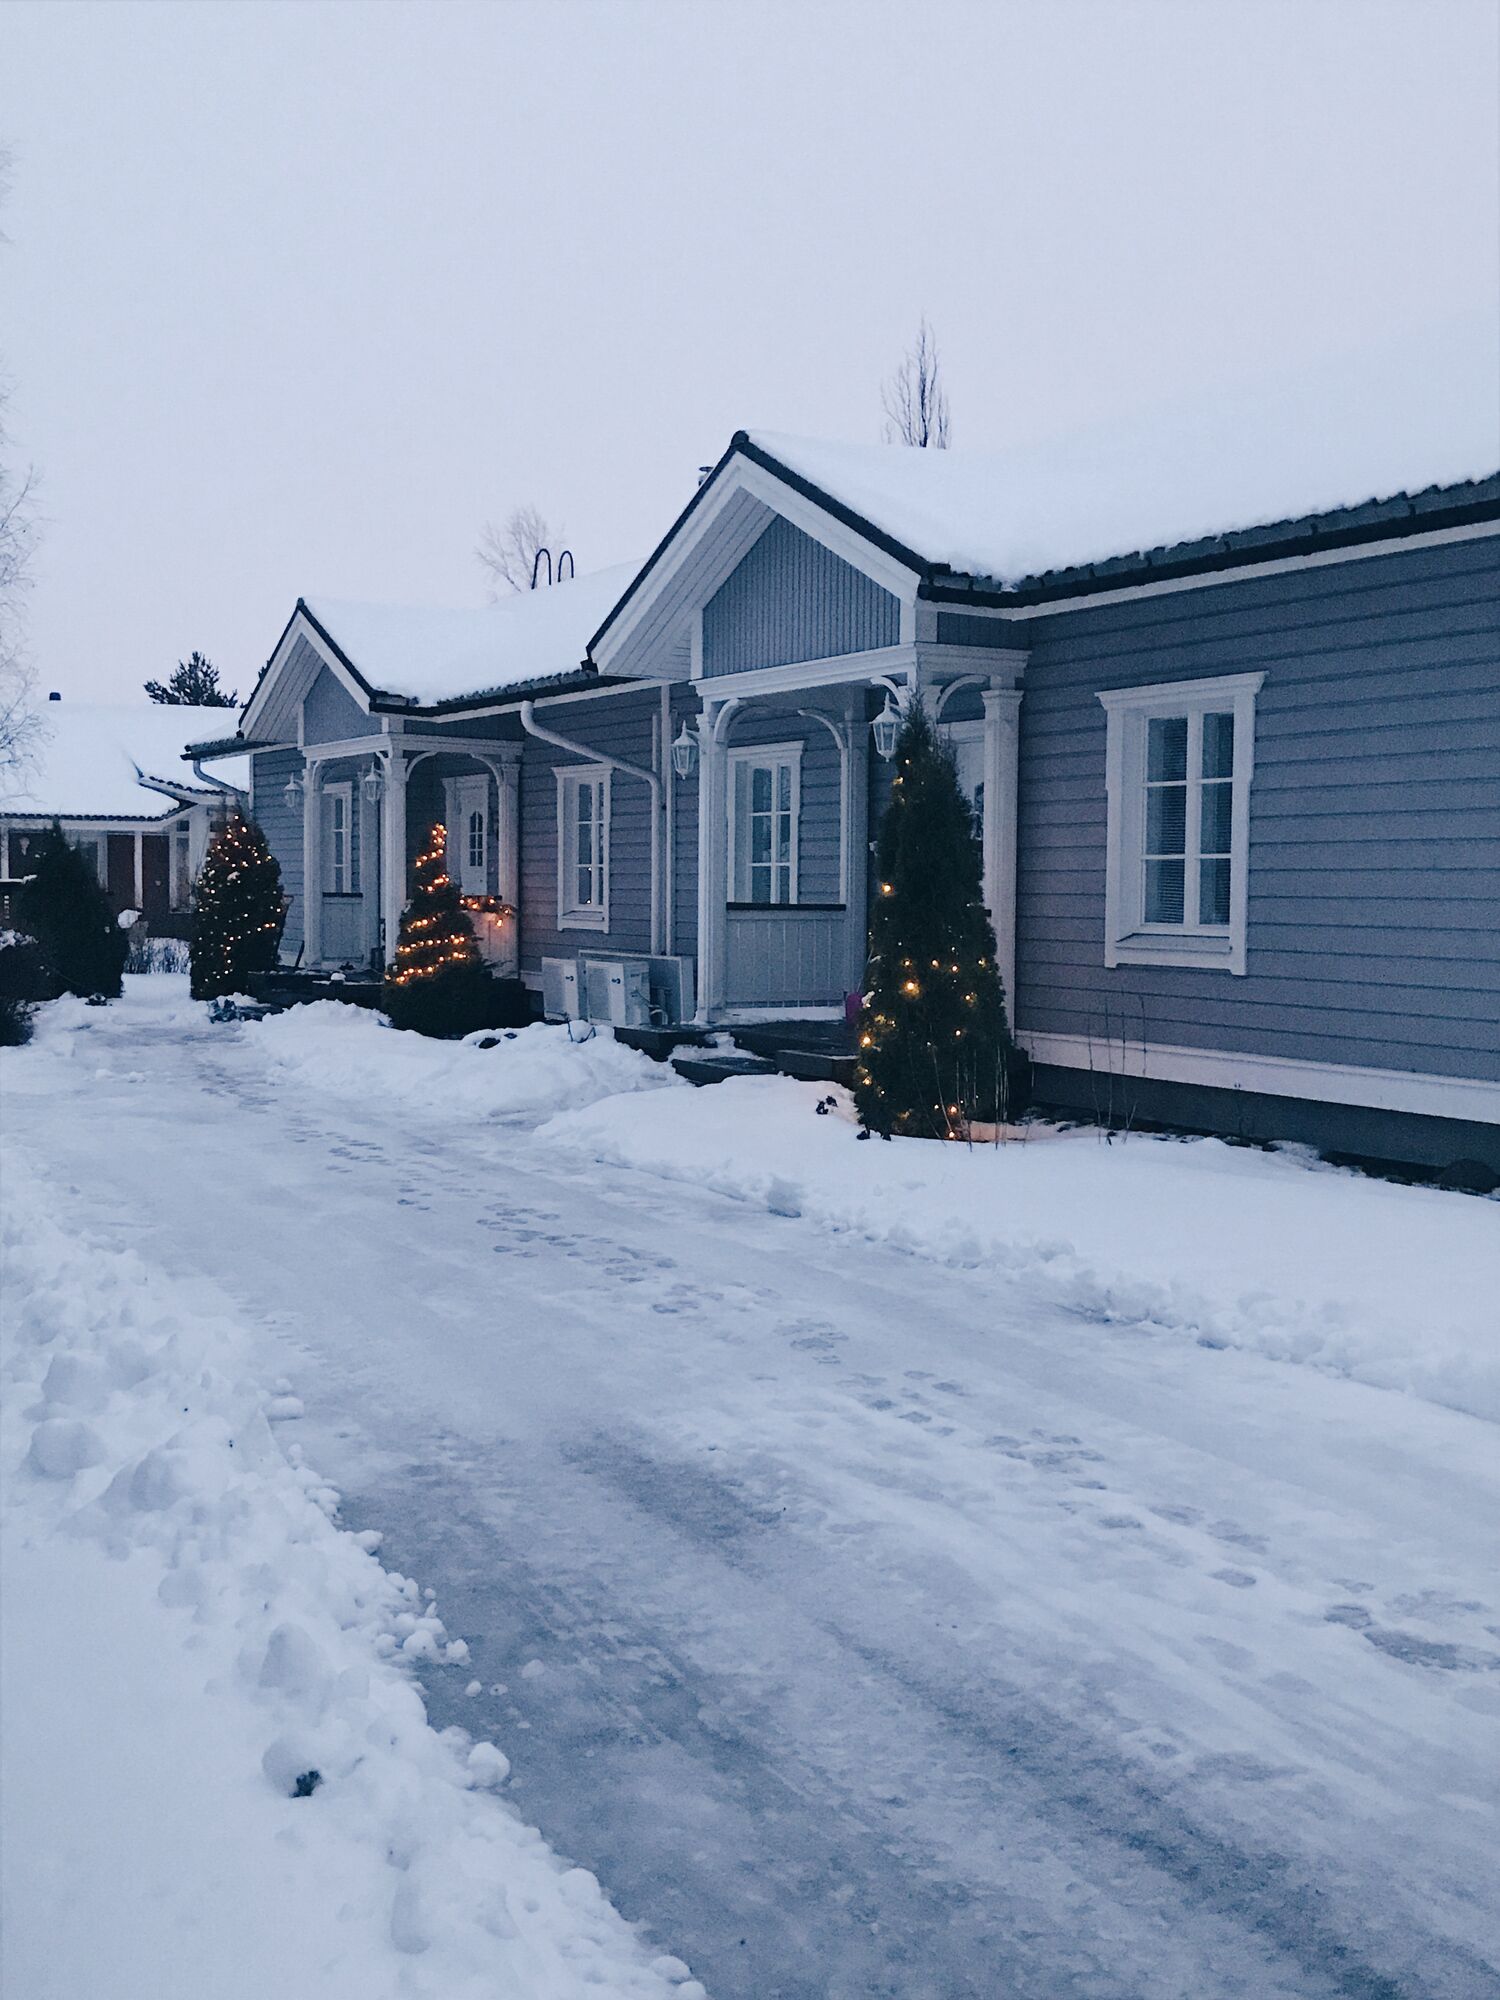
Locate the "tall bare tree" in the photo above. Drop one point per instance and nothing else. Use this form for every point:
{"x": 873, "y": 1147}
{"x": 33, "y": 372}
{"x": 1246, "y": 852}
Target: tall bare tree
{"x": 508, "y": 552}
{"x": 20, "y": 724}
{"x": 914, "y": 399}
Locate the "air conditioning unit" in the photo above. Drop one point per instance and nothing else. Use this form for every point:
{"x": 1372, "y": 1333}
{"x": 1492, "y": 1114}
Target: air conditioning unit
{"x": 560, "y": 999}
{"x": 618, "y": 991}
{"x": 673, "y": 991}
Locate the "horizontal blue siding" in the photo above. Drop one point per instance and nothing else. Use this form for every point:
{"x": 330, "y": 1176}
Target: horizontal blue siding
{"x": 622, "y": 725}
{"x": 282, "y": 826}
{"x": 1374, "y": 883}
{"x": 792, "y": 599}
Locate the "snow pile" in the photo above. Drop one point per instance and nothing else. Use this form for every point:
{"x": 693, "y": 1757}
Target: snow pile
{"x": 433, "y": 655}
{"x": 89, "y": 758}
{"x": 353, "y": 1051}
{"x": 219, "y": 1775}
{"x": 1395, "y": 415}
{"x": 1393, "y": 1286}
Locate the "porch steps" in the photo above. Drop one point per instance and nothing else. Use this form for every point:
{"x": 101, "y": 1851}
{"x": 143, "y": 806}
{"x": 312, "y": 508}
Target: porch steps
{"x": 813, "y": 1051}
{"x": 658, "y": 1043}
{"x": 718, "y": 1065}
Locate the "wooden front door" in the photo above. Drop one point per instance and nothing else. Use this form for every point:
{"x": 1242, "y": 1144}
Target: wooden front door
{"x": 121, "y": 871}
{"x": 156, "y": 876}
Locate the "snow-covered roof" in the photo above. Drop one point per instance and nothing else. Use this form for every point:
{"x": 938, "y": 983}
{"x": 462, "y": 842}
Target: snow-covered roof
{"x": 431, "y": 656}
{"x": 89, "y": 760}
{"x": 1388, "y": 422}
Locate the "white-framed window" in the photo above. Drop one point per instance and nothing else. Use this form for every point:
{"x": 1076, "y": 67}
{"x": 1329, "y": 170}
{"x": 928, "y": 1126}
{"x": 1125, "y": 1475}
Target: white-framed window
{"x": 1179, "y": 759}
{"x": 340, "y": 841}
{"x": 765, "y": 801}
{"x": 966, "y": 741}
{"x": 583, "y": 848}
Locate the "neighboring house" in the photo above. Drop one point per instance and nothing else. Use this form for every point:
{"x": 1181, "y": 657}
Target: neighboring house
{"x": 1237, "y": 794}
{"x": 114, "y": 778}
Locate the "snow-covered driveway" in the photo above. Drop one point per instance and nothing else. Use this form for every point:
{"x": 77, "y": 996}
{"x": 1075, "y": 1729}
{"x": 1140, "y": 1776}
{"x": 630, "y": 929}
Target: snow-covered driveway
{"x": 868, "y": 1627}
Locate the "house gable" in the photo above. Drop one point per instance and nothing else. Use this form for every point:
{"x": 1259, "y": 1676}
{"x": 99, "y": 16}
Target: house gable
{"x": 330, "y": 714}
{"x": 792, "y": 599}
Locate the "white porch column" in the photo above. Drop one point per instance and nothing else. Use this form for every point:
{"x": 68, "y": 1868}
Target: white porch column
{"x": 1002, "y": 747}
{"x": 713, "y": 854}
{"x": 393, "y": 853}
{"x": 508, "y": 858}
{"x": 312, "y": 863}
{"x": 856, "y": 834}
{"x": 367, "y": 819}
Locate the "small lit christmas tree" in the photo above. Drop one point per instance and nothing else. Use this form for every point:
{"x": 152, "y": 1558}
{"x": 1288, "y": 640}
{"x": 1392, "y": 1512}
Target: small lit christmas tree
{"x": 935, "y": 1053}
{"x": 438, "y": 984}
{"x": 238, "y": 911}
{"x": 64, "y": 907}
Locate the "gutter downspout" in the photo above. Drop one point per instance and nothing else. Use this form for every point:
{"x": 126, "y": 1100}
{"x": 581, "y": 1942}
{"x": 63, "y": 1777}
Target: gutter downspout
{"x": 589, "y": 755}
{"x": 213, "y": 783}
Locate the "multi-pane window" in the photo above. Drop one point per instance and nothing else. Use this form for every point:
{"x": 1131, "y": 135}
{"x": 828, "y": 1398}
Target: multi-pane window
{"x": 763, "y": 825}
{"x": 1179, "y": 767}
{"x": 476, "y": 839}
{"x": 1189, "y": 818}
{"x": 340, "y": 847}
{"x": 583, "y": 849}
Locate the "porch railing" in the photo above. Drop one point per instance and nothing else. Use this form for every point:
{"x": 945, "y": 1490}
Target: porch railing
{"x": 789, "y": 955}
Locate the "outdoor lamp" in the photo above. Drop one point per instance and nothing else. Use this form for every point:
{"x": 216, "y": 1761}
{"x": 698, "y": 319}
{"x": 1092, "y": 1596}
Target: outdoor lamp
{"x": 684, "y": 752}
{"x": 885, "y": 729}
{"x": 293, "y": 792}
{"x": 373, "y": 784}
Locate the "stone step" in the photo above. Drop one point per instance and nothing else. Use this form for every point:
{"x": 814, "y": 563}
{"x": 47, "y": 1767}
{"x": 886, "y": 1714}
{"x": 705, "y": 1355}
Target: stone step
{"x": 712, "y": 1066}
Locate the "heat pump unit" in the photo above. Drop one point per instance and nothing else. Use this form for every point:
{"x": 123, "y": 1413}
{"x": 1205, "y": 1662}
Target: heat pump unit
{"x": 560, "y": 989}
{"x": 618, "y": 991}
{"x": 673, "y": 994}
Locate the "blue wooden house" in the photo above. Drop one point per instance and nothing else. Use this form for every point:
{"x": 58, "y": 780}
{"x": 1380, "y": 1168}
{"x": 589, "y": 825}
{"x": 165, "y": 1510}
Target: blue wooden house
{"x": 1237, "y": 792}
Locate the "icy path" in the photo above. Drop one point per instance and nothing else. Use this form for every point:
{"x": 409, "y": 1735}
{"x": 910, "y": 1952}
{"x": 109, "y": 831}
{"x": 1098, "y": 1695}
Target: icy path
{"x": 868, "y": 1628}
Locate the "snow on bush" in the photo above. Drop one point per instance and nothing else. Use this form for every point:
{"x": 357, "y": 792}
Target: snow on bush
{"x": 1393, "y": 1286}
{"x": 262, "y": 1758}
{"x": 354, "y": 1052}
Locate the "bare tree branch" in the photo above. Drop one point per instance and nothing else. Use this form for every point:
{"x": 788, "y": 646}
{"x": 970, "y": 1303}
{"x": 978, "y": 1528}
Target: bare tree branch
{"x": 508, "y": 552}
{"x": 914, "y": 399}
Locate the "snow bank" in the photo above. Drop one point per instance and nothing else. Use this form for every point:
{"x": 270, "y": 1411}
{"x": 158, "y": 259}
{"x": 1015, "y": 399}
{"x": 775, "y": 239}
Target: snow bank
{"x": 355, "y": 1052}
{"x": 1394, "y": 1286}
{"x": 219, "y": 1776}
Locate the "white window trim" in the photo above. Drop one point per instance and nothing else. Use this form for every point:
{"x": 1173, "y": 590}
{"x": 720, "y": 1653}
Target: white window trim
{"x": 570, "y": 916}
{"x": 770, "y": 754}
{"x": 345, "y": 791}
{"x": 1128, "y": 940}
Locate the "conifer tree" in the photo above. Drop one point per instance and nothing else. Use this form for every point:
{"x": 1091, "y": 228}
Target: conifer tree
{"x": 65, "y": 908}
{"x": 438, "y": 984}
{"x": 239, "y": 911}
{"x": 935, "y": 1053}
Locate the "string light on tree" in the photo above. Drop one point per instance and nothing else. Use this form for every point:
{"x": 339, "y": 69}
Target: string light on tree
{"x": 935, "y": 1053}
{"x": 239, "y": 911}
{"x": 437, "y": 983}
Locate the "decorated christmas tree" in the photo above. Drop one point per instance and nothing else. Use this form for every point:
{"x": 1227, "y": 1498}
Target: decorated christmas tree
{"x": 935, "y": 1053}
{"x": 438, "y": 984}
{"x": 238, "y": 911}
{"x": 64, "y": 907}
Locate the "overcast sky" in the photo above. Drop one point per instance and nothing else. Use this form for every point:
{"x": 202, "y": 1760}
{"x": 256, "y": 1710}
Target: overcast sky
{"x": 297, "y": 295}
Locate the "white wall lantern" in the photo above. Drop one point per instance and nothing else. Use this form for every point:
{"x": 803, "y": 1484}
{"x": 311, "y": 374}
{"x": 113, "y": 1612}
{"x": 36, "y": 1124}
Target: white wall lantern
{"x": 293, "y": 793}
{"x": 885, "y": 729}
{"x": 684, "y": 752}
{"x": 373, "y": 784}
